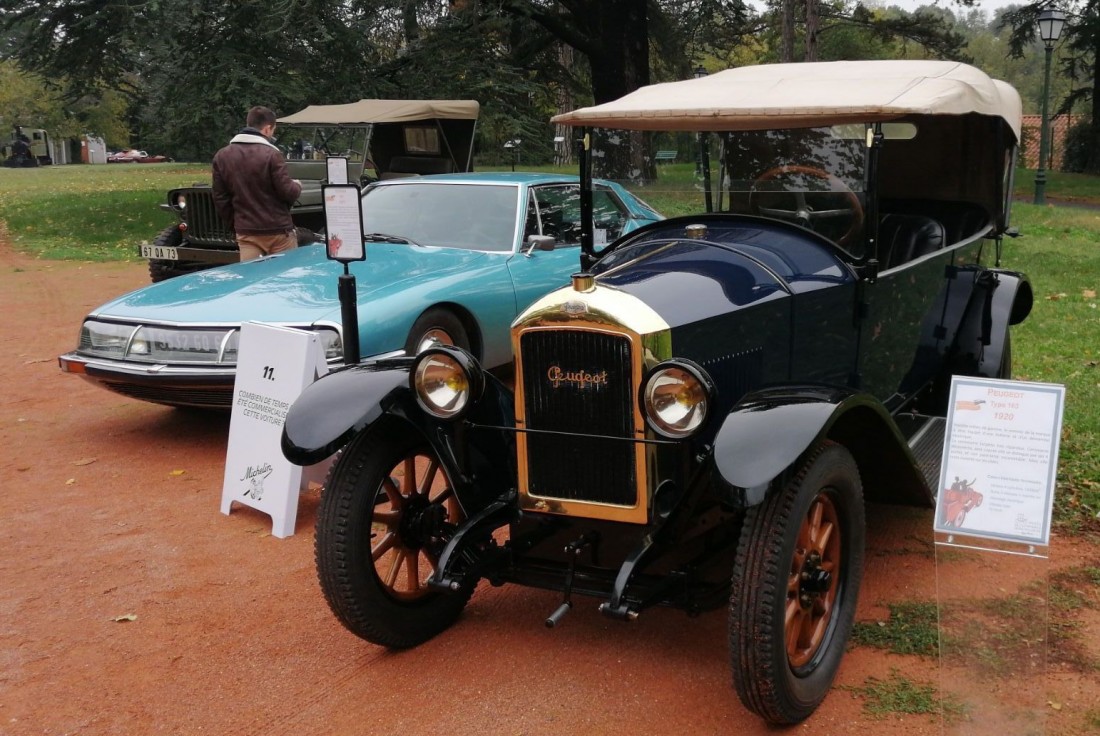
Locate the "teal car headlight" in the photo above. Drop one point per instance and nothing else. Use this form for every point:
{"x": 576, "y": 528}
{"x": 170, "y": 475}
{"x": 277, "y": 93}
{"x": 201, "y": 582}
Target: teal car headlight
{"x": 446, "y": 381}
{"x": 105, "y": 338}
{"x": 676, "y": 398}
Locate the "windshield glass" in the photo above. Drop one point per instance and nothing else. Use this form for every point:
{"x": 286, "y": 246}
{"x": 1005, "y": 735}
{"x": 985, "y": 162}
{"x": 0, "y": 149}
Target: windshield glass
{"x": 315, "y": 143}
{"x": 448, "y": 215}
{"x": 812, "y": 177}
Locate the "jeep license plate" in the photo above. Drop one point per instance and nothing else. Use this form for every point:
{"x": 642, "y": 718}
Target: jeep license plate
{"x": 163, "y": 252}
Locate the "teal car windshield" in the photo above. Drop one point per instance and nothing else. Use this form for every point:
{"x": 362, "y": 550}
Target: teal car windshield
{"x": 468, "y": 216}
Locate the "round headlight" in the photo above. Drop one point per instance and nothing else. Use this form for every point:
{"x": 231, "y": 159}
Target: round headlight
{"x": 445, "y": 379}
{"x": 676, "y": 398}
{"x": 181, "y": 201}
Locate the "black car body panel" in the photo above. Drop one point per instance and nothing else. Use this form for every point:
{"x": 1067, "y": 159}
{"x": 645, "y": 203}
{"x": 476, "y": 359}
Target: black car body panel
{"x": 716, "y": 392}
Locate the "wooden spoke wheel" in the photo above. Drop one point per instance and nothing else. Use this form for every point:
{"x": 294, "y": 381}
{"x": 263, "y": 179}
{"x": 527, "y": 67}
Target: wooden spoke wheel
{"x": 387, "y": 511}
{"x": 795, "y": 583}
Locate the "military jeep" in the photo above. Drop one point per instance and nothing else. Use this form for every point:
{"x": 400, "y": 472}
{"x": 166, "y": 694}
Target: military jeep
{"x": 699, "y": 418}
{"x": 379, "y": 139}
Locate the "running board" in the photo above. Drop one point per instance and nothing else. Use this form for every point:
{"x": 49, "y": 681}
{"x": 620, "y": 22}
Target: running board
{"x": 927, "y": 447}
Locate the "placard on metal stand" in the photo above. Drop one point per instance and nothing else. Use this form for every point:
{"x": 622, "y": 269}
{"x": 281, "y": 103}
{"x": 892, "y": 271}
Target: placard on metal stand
{"x": 345, "y": 243}
{"x": 992, "y": 533}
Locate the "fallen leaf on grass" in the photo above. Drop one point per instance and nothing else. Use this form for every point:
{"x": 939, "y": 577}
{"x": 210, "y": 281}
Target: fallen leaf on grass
{"x": 177, "y": 472}
{"x": 1089, "y": 293}
{"x": 1055, "y": 297}
{"x": 125, "y": 617}
{"x": 84, "y": 461}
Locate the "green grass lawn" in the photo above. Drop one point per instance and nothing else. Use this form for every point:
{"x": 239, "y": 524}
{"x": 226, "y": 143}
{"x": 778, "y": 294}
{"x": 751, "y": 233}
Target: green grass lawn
{"x": 90, "y": 213}
{"x": 100, "y": 213}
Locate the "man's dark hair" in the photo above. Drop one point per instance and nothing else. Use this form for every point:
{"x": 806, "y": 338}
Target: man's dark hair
{"x": 259, "y": 116}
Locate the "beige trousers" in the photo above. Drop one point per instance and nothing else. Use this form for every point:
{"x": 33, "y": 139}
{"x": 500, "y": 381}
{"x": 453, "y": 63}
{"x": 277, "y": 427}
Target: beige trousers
{"x": 254, "y": 246}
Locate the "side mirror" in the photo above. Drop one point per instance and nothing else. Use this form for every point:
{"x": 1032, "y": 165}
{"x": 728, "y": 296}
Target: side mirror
{"x": 540, "y": 242}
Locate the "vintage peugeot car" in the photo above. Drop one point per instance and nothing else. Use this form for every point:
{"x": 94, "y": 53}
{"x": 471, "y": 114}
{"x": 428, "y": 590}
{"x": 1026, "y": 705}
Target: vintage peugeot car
{"x": 450, "y": 259}
{"x": 698, "y": 420}
{"x": 380, "y": 139}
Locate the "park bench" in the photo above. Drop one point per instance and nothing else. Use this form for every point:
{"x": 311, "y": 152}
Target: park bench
{"x": 665, "y": 156}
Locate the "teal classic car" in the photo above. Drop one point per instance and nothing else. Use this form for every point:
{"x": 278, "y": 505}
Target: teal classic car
{"x": 451, "y": 259}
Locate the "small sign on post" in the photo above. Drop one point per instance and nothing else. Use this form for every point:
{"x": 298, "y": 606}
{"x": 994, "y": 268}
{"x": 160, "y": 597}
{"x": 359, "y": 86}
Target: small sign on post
{"x": 337, "y": 169}
{"x": 274, "y": 365}
{"x": 1000, "y": 459}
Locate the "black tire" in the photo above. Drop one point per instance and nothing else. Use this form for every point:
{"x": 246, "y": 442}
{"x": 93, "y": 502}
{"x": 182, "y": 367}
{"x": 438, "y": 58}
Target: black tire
{"x": 437, "y": 326}
{"x": 783, "y": 669}
{"x": 378, "y": 537}
{"x": 161, "y": 270}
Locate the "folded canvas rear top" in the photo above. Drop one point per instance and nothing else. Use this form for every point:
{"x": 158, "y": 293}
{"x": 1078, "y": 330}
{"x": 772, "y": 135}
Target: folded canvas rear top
{"x": 383, "y": 111}
{"x": 807, "y": 95}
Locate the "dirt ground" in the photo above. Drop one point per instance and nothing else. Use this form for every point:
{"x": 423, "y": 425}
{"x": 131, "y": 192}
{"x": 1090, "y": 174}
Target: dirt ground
{"x": 132, "y": 606}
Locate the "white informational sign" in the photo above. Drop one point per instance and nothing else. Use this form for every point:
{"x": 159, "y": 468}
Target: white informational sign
{"x": 337, "y": 167}
{"x": 1000, "y": 459}
{"x": 343, "y": 222}
{"x": 274, "y": 365}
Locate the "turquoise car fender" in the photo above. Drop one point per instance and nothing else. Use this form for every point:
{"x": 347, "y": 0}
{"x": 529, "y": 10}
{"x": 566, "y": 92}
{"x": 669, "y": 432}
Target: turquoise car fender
{"x": 765, "y": 435}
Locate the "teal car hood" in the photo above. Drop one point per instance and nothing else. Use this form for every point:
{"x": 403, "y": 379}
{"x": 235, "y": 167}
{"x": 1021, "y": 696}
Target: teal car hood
{"x": 298, "y": 287}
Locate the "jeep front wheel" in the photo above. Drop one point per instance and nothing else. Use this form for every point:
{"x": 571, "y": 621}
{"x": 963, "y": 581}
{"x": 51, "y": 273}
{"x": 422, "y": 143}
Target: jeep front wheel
{"x": 161, "y": 269}
{"x": 795, "y": 582}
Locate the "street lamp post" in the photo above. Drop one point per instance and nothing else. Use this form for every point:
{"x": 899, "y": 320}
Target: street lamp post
{"x": 1050, "y": 28}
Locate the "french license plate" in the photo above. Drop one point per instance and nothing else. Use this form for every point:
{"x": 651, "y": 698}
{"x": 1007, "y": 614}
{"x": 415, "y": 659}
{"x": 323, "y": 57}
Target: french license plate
{"x": 163, "y": 252}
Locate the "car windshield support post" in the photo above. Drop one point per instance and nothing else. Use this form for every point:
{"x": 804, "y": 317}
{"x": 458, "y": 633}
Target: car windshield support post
{"x": 870, "y": 189}
{"x": 588, "y": 256}
{"x": 704, "y": 165}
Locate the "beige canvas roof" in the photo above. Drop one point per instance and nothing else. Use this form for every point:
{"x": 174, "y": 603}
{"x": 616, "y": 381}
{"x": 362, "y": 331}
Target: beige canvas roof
{"x": 807, "y": 95}
{"x": 383, "y": 111}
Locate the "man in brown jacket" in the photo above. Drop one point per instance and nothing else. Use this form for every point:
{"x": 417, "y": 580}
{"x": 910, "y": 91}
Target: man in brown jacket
{"x": 253, "y": 191}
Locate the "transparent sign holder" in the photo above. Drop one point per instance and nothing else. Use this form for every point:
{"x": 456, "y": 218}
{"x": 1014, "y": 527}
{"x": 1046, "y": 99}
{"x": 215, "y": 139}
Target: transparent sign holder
{"x": 992, "y": 535}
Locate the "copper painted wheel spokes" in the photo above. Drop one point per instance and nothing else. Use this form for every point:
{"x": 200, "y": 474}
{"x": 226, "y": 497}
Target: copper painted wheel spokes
{"x": 413, "y": 484}
{"x": 812, "y": 582}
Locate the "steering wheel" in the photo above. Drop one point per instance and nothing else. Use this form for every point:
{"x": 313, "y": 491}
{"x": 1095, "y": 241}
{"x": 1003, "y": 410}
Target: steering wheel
{"x": 805, "y": 215}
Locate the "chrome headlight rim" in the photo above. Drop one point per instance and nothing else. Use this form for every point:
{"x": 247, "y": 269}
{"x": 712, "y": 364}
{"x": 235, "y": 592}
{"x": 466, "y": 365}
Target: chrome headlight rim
{"x": 469, "y": 387}
{"x": 700, "y": 410}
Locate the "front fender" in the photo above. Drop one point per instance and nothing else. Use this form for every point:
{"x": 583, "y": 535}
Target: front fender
{"x": 337, "y": 406}
{"x": 767, "y": 432}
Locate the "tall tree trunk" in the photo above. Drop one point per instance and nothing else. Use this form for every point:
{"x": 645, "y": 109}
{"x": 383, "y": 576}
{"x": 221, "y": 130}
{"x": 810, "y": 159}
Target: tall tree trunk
{"x": 563, "y": 151}
{"x": 786, "y": 39}
{"x": 409, "y": 22}
{"x": 813, "y": 25}
{"x": 620, "y": 64}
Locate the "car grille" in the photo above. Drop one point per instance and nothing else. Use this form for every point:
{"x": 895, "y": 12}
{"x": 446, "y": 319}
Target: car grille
{"x": 207, "y": 398}
{"x": 204, "y": 225}
{"x": 558, "y": 398}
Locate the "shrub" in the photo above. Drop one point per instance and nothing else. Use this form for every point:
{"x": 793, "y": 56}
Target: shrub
{"x": 1081, "y": 153}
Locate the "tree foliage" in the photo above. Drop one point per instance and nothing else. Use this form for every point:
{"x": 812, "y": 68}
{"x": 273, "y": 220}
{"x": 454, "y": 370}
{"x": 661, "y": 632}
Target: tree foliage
{"x": 187, "y": 72}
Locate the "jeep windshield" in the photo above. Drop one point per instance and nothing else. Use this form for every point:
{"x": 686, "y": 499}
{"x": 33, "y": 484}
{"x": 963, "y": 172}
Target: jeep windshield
{"x": 444, "y": 214}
